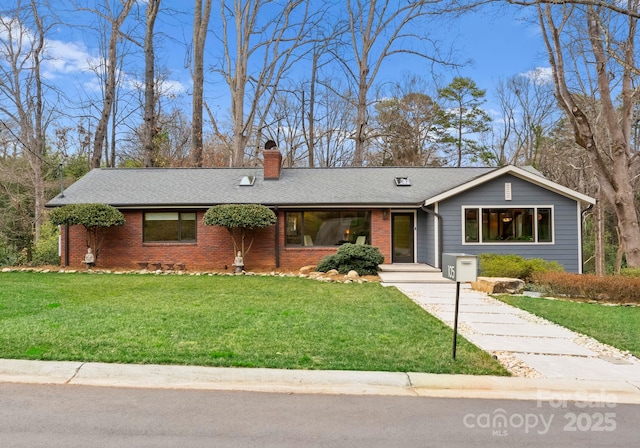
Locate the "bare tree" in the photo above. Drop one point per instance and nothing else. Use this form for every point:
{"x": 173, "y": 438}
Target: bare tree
{"x": 528, "y": 112}
{"x": 22, "y": 92}
{"x": 150, "y": 131}
{"x": 592, "y": 55}
{"x": 334, "y": 143}
{"x": 200, "y": 26}
{"x": 115, "y": 19}
{"x": 259, "y": 39}
{"x": 379, "y": 29}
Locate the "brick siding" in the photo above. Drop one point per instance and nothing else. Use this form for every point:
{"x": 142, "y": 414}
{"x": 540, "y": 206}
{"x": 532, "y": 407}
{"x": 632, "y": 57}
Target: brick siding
{"x": 123, "y": 247}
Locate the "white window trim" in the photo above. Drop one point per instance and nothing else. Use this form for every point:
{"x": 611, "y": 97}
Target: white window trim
{"x": 498, "y": 243}
{"x": 436, "y": 236}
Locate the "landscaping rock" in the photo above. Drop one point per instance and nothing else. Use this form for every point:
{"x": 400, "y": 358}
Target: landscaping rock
{"x": 306, "y": 270}
{"x": 498, "y": 285}
{"x": 330, "y": 276}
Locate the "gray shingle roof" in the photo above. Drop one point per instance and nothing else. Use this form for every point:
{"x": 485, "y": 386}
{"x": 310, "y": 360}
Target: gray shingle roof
{"x": 192, "y": 187}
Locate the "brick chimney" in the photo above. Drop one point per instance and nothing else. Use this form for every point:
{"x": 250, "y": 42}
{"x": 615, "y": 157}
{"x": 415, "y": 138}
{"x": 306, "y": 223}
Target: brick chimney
{"x": 272, "y": 161}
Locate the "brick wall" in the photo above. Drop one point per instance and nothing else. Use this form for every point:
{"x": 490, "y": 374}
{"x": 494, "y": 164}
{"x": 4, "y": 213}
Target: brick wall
{"x": 272, "y": 163}
{"x": 123, "y": 247}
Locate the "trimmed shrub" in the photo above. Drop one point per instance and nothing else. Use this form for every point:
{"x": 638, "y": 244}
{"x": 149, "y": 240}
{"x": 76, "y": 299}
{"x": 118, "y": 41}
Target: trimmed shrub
{"x": 241, "y": 220}
{"x": 93, "y": 217}
{"x": 363, "y": 259}
{"x": 610, "y": 288}
{"x": 514, "y": 266}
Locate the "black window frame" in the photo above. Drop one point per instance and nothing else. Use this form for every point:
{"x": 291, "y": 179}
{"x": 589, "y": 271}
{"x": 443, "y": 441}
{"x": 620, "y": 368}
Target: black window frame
{"x": 499, "y": 221}
{"x": 296, "y": 236}
{"x": 180, "y": 231}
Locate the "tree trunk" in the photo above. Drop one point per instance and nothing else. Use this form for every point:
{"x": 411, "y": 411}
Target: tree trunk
{"x": 599, "y": 228}
{"x": 110, "y": 84}
{"x": 237, "y": 112}
{"x": 606, "y": 143}
{"x": 36, "y": 158}
{"x": 200, "y": 26}
{"x": 150, "y": 131}
{"x": 361, "y": 118}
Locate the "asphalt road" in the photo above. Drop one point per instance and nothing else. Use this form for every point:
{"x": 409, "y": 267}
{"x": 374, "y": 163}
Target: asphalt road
{"x": 78, "y": 416}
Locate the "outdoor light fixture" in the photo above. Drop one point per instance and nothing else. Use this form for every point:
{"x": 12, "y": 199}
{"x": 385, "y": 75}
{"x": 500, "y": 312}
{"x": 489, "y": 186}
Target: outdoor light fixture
{"x": 61, "y": 180}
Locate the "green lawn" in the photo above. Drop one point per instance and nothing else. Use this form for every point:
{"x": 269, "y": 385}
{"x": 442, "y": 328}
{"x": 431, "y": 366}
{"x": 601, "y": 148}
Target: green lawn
{"x": 245, "y": 321}
{"x": 618, "y": 326}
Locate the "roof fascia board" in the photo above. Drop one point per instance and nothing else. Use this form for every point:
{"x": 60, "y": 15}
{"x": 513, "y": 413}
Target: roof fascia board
{"x": 280, "y": 206}
{"x": 517, "y": 172}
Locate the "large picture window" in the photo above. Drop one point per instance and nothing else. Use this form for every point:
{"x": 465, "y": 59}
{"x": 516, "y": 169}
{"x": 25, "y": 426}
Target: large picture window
{"x": 327, "y": 227}
{"x": 169, "y": 227}
{"x": 508, "y": 225}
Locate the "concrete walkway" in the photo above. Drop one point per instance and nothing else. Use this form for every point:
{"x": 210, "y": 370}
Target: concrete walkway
{"x": 528, "y": 345}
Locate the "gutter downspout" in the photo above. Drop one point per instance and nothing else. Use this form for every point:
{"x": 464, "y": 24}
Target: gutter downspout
{"x": 440, "y": 233}
{"x": 66, "y": 245}
{"x": 277, "y": 251}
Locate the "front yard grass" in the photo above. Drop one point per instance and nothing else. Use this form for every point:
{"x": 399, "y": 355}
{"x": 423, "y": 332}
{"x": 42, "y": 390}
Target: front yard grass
{"x": 618, "y": 326}
{"x": 228, "y": 321}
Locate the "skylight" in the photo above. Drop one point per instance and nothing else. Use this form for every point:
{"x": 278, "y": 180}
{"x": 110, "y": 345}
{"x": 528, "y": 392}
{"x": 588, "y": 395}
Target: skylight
{"x": 247, "y": 181}
{"x": 403, "y": 181}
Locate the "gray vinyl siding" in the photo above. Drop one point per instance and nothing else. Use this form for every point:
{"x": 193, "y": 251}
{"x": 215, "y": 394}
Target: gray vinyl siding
{"x": 565, "y": 246}
{"x": 424, "y": 232}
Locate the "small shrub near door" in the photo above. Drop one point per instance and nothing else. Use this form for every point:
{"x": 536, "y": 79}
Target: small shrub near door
{"x": 363, "y": 259}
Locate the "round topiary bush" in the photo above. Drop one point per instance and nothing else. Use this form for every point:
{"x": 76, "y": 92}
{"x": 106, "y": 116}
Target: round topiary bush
{"x": 363, "y": 259}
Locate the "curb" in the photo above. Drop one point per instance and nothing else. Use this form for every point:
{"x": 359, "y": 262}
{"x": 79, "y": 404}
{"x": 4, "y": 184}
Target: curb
{"x": 316, "y": 381}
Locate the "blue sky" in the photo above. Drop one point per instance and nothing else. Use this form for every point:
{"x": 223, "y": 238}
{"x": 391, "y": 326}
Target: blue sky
{"x": 498, "y": 41}
{"x": 500, "y": 47}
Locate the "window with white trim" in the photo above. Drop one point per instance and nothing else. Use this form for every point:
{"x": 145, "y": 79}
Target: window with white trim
{"x": 508, "y": 225}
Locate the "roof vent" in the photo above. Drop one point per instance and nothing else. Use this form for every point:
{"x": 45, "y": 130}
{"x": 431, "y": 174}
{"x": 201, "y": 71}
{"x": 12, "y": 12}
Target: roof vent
{"x": 247, "y": 181}
{"x": 507, "y": 191}
{"x": 403, "y": 181}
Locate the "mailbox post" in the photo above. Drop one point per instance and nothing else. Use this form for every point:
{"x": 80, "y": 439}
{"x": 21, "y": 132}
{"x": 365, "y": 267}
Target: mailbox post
{"x": 459, "y": 268}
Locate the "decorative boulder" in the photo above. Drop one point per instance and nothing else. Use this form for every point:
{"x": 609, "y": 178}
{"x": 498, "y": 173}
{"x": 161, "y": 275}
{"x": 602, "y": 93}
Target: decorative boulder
{"x": 498, "y": 285}
{"x": 353, "y": 275}
{"x": 306, "y": 270}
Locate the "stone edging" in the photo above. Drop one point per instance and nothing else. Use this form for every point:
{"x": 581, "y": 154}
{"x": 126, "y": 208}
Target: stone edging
{"x": 329, "y": 277}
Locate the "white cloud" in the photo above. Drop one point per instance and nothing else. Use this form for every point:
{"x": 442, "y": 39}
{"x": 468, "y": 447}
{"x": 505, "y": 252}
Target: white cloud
{"x": 540, "y": 75}
{"x": 64, "y": 58}
{"x": 172, "y": 87}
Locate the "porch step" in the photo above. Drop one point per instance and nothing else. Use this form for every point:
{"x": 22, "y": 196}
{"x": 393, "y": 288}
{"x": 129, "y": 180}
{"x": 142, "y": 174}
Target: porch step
{"x": 408, "y": 267}
{"x": 410, "y": 273}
